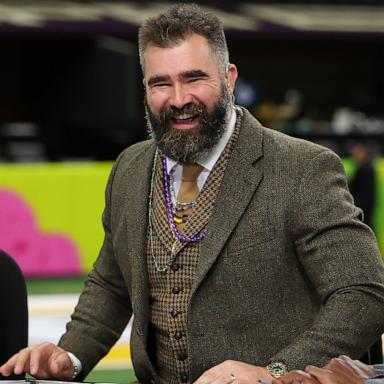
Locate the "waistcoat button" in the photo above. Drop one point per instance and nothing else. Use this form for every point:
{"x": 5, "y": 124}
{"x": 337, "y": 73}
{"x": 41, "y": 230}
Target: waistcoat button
{"x": 182, "y": 356}
{"x": 178, "y": 335}
{"x": 176, "y": 290}
{"x": 174, "y": 313}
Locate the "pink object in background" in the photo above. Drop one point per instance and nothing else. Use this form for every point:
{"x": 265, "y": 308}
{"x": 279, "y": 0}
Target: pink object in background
{"x": 37, "y": 253}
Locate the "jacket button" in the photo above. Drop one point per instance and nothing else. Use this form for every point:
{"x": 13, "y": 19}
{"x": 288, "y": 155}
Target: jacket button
{"x": 182, "y": 356}
{"x": 178, "y": 335}
{"x": 176, "y": 290}
{"x": 184, "y": 378}
{"x": 175, "y": 267}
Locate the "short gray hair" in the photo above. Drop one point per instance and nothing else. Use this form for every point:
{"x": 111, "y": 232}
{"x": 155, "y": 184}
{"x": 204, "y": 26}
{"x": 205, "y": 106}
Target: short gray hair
{"x": 179, "y": 22}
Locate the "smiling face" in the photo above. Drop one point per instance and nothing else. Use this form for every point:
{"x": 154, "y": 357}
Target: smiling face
{"x": 187, "y": 99}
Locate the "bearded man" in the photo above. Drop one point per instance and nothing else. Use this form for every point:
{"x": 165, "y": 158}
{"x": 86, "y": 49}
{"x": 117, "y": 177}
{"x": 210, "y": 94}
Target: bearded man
{"x": 237, "y": 249}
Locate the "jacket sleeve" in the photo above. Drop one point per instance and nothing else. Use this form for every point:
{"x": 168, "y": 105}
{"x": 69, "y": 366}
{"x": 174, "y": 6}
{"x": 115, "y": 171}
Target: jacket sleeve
{"x": 104, "y": 307}
{"x": 342, "y": 260}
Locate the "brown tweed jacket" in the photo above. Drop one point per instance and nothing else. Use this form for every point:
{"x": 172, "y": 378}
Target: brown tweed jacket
{"x": 287, "y": 271}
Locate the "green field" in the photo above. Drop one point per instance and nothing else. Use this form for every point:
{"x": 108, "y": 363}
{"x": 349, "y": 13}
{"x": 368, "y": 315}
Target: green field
{"x": 55, "y": 285}
{"x": 111, "y": 376}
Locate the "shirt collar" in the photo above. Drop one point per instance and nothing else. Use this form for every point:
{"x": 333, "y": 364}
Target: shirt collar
{"x": 209, "y": 162}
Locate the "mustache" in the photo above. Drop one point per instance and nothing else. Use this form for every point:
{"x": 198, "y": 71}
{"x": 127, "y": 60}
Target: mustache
{"x": 172, "y": 112}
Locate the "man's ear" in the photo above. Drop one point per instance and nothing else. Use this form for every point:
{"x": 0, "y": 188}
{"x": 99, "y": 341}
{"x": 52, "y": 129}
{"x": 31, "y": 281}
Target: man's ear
{"x": 231, "y": 77}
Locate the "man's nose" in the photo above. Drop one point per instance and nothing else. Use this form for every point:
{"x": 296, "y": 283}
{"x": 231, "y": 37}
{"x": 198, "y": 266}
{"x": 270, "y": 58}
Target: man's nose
{"x": 180, "y": 97}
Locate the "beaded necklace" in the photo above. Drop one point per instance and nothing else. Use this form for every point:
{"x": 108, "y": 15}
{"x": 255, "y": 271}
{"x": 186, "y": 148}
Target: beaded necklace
{"x": 177, "y": 235}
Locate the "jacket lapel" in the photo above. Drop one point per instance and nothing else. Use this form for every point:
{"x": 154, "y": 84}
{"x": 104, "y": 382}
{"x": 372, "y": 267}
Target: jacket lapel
{"x": 241, "y": 179}
{"x": 138, "y": 177}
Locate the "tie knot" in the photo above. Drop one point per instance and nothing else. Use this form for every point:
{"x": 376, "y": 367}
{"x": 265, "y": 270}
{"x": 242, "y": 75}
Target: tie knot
{"x": 191, "y": 172}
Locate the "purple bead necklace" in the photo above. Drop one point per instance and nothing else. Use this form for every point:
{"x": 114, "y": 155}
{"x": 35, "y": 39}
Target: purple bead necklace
{"x": 168, "y": 199}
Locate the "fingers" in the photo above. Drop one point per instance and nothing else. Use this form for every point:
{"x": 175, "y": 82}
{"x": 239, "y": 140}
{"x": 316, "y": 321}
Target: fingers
{"x": 333, "y": 373}
{"x": 18, "y": 363}
{"x": 295, "y": 377}
{"x": 363, "y": 370}
{"x": 346, "y": 366}
{"x": 44, "y": 361}
{"x": 22, "y": 361}
{"x": 316, "y": 371}
{"x": 347, "y": 358}
{"x": 342, "y": 369}
{"x": 7, "y": 368}
{"x": 34, "y": 361}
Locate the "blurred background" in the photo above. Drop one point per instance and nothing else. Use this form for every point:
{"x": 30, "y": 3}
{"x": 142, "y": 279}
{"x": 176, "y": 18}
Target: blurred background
{"x": 71, "y": 99}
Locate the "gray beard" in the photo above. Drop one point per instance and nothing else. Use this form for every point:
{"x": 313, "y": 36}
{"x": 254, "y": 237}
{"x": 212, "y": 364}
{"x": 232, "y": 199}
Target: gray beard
{"x": 195, "y": 144}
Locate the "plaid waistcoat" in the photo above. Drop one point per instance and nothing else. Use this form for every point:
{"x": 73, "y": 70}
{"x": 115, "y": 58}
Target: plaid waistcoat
{"x": 170, "y": 290}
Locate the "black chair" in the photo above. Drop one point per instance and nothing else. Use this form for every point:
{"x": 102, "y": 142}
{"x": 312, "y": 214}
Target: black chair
{"x": 14, "y": 311}
{"x": 374, "y": 355}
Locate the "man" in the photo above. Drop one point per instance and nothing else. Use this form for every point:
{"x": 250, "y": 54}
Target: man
{"x": 238, "y": 249}
{"x": 341, "y": 370}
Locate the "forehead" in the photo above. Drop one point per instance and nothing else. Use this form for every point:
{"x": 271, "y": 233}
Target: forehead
{"x": 192, "y": 53}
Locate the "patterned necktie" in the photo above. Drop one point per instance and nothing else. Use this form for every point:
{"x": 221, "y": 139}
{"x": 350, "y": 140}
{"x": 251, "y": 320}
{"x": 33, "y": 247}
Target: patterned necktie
{"x": 188, "y": 193}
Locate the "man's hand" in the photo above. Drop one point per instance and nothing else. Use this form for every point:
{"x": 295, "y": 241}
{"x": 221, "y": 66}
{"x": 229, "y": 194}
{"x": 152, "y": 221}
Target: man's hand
{"x": 341, "y": 370}
{"x": 296, "y": 377}
{"x": 234, "y": 371}
{"x": 44, "y": 361}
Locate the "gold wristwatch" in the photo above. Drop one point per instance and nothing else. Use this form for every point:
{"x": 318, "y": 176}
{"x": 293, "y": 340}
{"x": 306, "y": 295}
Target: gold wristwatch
{"x": 277, "y": 369}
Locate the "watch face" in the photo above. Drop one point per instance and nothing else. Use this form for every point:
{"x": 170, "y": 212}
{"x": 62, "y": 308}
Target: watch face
{"x": 277, "y": 369}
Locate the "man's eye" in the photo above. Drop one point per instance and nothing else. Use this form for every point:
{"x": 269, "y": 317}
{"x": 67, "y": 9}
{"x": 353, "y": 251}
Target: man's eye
{"x": 161, "y": 85}
{"x": 193, "y": 80}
